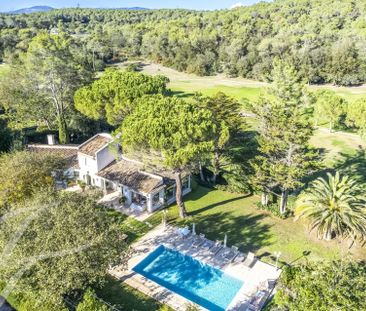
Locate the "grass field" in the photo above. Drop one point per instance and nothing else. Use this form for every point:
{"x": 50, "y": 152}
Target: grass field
{"x": 238, "y": 88}
{"x": 217, "y": 213}
{"x": 124, "y": 297}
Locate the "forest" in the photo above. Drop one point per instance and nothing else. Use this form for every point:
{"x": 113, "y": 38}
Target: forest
{"x": 325, "y": 40}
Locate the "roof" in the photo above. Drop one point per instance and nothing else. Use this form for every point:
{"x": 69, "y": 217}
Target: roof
{"x": 69, "y": 153}
{"x": 4, "y": 305}
{"x": 94, "y": 144}
{"x": 130, "y": 174}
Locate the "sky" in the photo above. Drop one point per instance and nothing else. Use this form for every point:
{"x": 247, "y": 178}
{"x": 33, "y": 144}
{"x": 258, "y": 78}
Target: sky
{"x": 8, "y": 5}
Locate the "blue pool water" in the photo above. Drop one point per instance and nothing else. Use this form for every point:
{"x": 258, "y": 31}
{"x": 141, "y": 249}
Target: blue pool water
{"x": 209, "y": 287}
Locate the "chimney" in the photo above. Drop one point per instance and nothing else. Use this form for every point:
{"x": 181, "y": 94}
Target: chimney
{"x": 51, "y": 140}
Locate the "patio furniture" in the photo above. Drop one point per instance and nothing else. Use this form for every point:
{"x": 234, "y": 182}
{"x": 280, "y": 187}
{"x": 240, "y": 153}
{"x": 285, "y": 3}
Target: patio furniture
{"x": 228, "y": 254}
{"x": 173, "y": 239}
{"x": 239, "y": 257}
{"x": 258, "y": 300}
{"x": 183, "y": 232}
{"x": 198, "y": 240}
{"x": 267, "y": 285}
{"x": 207, "y": 244}
{"x": 216, "y": 248}
{"x": 250, "y": 260}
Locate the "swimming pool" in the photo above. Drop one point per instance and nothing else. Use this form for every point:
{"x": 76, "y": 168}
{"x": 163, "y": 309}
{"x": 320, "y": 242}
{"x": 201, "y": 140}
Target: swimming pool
{"x": 209, "y": 287}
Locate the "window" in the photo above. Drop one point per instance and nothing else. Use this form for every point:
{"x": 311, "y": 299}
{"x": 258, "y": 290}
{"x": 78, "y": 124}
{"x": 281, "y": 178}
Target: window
{"x": 85, "y": 162}
{"x": 185, "y": 183}
{"x": 156, "y": 199}
{"x": 170, "y": 192}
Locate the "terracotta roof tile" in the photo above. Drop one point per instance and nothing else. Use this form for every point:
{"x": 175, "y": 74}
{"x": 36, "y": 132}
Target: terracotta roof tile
{"x": 130, "y": 174}
{"x": 93, "y": 145}
{"x": 67, "y": 152}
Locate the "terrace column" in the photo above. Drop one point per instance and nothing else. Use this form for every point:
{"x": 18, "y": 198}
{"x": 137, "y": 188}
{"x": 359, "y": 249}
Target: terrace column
{"x": 149, "y": 203}
{"x": 127, "y": 193}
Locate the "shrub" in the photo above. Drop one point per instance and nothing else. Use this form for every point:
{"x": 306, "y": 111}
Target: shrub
{"x": 274, "y": 209}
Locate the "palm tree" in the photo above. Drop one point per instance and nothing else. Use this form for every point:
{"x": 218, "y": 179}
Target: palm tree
{"x": 334, "y": 207}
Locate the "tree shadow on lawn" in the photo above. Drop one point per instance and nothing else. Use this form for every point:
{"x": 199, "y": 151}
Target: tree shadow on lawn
{"x": 181, "y": 94}
{"x": 353, "y": 165}
{"x": 202, "y": 191}
{"x": 124, "y": 297}
{"x": 208, "y": 207}
{"x": 246, "y": 231}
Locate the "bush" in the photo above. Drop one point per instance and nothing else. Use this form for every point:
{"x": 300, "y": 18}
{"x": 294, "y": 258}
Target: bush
{"x": 274, "y": 209}
{"x": 91, "y": 303}
{"x": 322, "y": 286}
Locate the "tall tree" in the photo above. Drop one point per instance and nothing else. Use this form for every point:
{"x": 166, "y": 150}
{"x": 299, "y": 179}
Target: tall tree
{"x": 116, "y": 94}
{"x": 226, "y": 117}
{"x": 48, "y": 76}
{"x": 64, "y": 242}
{"x": 176, "y": 132}
{"x": 334, "y": 207}
{"x": 284, "y": 132}
{"x": 329, "y": 107}
{"x": 356, "y": 115}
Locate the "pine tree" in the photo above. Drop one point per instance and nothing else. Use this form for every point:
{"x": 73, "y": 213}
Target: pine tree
{"x": 284, "y": 132}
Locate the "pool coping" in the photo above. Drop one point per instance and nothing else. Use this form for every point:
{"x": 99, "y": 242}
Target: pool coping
{"x": 161, "y": 235}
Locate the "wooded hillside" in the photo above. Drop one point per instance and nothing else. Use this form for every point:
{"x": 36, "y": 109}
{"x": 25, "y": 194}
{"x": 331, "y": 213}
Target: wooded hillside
{"x": 325, "y": 39}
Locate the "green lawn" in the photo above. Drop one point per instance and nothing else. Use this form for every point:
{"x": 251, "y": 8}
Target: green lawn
{"x": 217, "y": 212}
{"x": 239, "y": 93}
{"x": 343, "y": 152}
{"x": 188, "y": 88}
{"x": 124, "y": 297}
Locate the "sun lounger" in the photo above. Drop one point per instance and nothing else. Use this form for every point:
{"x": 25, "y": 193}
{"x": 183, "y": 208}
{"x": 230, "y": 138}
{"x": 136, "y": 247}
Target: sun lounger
{"x": 199, "y": 240}
{"x": 228, "y": 254}
{"x": 216, "y": 248}
{"x": 258, "y": 300}
{"x": 250, "y": 260}
{"x": 267, "y": 285}
{"x": 173, "y": 239}
{"x": 239, "y": 257}
{"x": 207, "y": 244}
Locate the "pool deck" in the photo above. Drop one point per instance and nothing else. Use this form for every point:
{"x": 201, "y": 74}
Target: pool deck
{"x": 253, "y": 277}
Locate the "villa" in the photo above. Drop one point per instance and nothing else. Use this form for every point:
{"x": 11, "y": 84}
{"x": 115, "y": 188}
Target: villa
{"x": 99, "y": 162}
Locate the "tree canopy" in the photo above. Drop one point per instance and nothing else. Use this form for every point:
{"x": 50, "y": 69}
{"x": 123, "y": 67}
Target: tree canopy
{"x": 356, "y": 115}
{"x": 42, "y": 83}
{"x": 64, "y": 242}
{"x": 115, "y": 94}
{"x": 24, "y": 173}
{"x": 323, "y": 39}
{"x": 329, "y": 107}
{"x": 177, "y": 132}
{"x": 335, "y": 207}
{"x": 284, "y": 132}
{"x": 91, "y": 303}
{"x": 322, "y": 286}
{"x": 228, "y": 138}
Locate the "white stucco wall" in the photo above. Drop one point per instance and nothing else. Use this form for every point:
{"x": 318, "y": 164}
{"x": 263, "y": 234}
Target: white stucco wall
{"x": 104, "y": 157}
{"x": 87, "y": 164}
